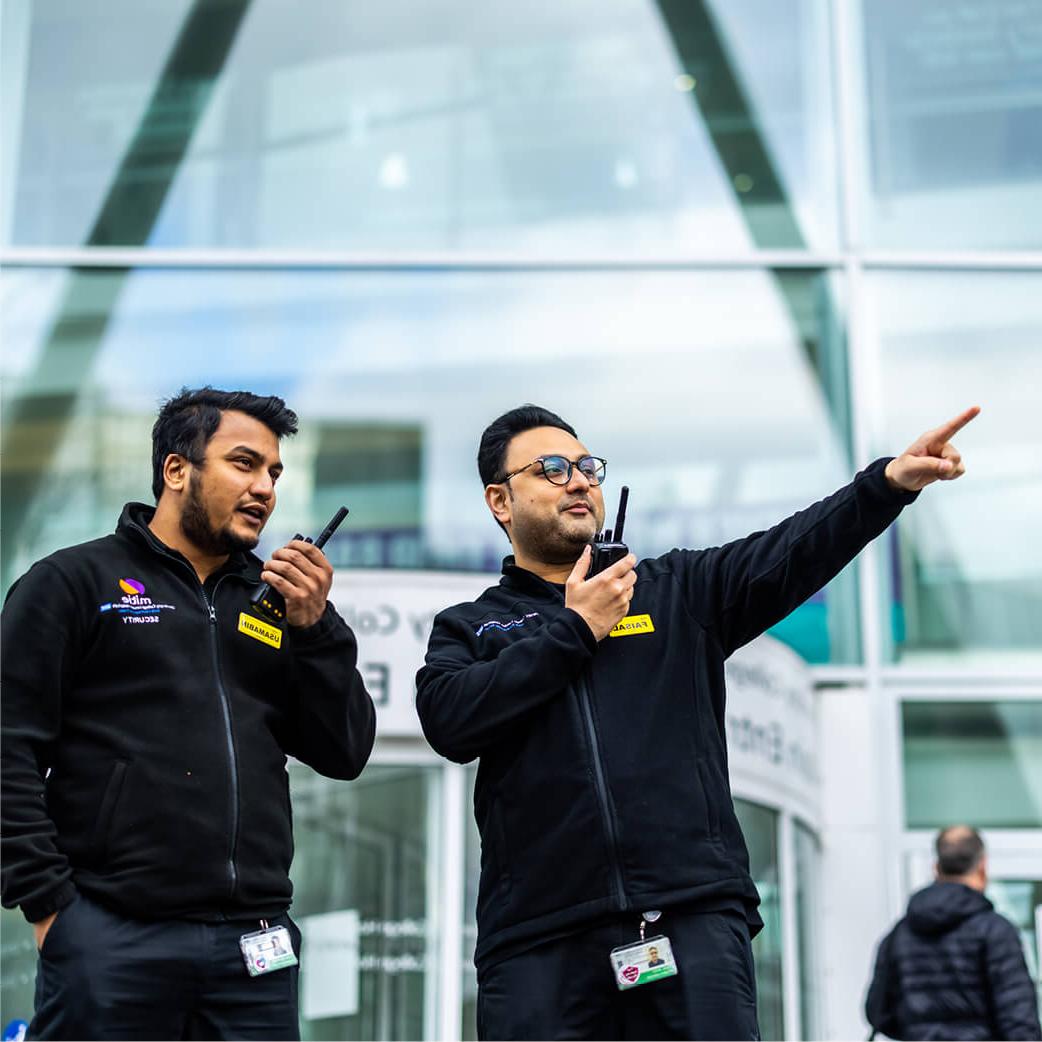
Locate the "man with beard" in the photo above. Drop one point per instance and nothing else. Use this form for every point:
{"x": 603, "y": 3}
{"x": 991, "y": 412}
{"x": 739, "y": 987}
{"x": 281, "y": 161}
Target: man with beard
{"x": 147, "y": 717}
{"x": 596, "y": 707}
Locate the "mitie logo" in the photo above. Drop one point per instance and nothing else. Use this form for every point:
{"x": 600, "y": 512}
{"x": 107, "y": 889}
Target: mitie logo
{"x": 134, "y": 608}
{"x": 135, "y": 592}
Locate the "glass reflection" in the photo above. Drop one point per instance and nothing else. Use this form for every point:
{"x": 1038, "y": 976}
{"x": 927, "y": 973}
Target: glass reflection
{"x": 631, "y": 126}
{"x": 760, "y": 827}
{"x": 954, "y": 116}
{"x": 362, "y": 854}
{"x": 808, "y": 889}
{"x": 973, "y": 761}
{"x": 965, "y": 573}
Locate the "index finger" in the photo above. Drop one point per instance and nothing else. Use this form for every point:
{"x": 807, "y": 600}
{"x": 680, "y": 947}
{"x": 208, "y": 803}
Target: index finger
{"x": 948, "y": 430}
{"x": 308, "y": 550}
{"x": 621, "y": 567}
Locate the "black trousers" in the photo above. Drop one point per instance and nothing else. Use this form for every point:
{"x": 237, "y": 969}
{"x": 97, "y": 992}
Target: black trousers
{"x": 566, "y": 988}
{"x": 102, "y": 976}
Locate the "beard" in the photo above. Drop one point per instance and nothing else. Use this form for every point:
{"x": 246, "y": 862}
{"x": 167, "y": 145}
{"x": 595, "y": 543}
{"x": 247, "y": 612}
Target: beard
{"x": 199, "y": 530}
{"x": 550, "y": 541}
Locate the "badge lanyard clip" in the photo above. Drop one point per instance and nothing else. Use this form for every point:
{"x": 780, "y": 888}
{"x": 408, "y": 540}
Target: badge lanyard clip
{"x": 648, "y": 917}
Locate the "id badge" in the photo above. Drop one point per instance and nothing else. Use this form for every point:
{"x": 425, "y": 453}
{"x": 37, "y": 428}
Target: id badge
{"x": 643, "y": 962}
{"x": 267, "y": 950}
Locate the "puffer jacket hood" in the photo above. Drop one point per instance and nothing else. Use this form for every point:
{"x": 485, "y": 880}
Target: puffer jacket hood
{"x": 941, "y": 907}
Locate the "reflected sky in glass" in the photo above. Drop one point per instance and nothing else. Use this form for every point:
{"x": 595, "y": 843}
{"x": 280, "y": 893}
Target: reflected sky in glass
{"x": 547, "y": 127}
{"x": 971, "y": 571}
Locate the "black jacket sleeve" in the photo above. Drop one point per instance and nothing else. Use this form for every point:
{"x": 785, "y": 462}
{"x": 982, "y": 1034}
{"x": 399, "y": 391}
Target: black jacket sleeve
{"x": 1014, "y": 1001}
{"x": 334, "y": 720}
{"x": 41, "y": 633}
{"x": 739, "y": 590}
{"x": 465, "y": 705}
{"x": 881, "y": 1002}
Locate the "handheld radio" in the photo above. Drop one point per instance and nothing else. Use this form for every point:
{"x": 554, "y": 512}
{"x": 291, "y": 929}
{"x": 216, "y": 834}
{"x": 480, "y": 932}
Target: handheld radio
{"x": 608, "y": 546}
{"x": 270, "y": 604}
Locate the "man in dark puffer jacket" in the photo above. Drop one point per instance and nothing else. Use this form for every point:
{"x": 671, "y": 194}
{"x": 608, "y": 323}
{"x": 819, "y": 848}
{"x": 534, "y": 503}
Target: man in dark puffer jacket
{"x": 953, "y": 968}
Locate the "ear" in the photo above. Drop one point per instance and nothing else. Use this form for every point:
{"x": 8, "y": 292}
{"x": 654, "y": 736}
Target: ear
{"x": 176, "y": 470}
{"x": 499, "y": 502}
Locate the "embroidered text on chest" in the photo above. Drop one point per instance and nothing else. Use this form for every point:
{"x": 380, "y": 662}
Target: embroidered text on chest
{"x": 512, "y": 624}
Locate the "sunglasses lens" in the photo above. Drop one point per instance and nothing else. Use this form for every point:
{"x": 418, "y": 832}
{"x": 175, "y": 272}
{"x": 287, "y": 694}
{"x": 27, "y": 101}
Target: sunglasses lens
{"x": 592, "y": 468}
{"x": 556, "y": 469}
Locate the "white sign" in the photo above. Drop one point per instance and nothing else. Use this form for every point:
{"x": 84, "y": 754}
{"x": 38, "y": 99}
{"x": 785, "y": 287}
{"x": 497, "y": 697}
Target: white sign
{"x": 329, "y": 977}
{"x": 772, "y": 732}
{"x": 391, "y": 613}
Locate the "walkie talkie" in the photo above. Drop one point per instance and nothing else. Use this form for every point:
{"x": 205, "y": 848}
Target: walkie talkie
{"x": 608, "y": 546}
{"x": 270, "y": 604}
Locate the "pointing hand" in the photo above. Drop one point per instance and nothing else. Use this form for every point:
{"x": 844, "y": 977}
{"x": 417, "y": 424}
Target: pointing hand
{"x": 931, "y": 457}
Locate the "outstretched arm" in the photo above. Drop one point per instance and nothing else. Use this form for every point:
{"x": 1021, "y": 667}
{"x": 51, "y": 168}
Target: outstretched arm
{"x": 739, "y": 590}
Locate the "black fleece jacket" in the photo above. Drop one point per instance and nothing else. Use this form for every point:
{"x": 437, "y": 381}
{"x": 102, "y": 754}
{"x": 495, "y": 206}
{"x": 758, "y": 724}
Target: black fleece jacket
{"x": 602, "y": 783}
{"x": 146, "y": 728}
{"x": 952, "y": 968}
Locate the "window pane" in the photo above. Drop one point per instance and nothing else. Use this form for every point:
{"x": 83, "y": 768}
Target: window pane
{"x": 965, "y": 572}
{"x": 363, "y": 855}
{"x": 634, "y": 126}
{"x": 955, "y": 117}
{"x": 808, "y": 915}
{"x": 760, "y": 827}
{"x": 977, "y": 762}
{"x": 1020, "y": 901}
{"x": 17, "y": 967}
{"x": 395, "y": 376}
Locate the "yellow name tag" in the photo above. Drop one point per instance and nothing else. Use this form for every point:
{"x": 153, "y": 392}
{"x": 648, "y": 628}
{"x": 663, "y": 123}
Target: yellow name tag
{"x": 632, "y": 624}
{"x": 266, "y": 634}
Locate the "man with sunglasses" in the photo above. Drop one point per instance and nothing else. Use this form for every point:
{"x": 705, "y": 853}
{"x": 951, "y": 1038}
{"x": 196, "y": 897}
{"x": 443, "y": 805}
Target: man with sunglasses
{"x": 596, "y": 707}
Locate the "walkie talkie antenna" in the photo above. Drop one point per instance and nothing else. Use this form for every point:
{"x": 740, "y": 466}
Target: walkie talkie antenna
{"x": 620, "y": 518}
{"x": 331, "y": 527}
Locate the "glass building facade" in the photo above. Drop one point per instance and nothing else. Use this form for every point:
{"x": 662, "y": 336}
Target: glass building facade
{"x": 745, "y": 247}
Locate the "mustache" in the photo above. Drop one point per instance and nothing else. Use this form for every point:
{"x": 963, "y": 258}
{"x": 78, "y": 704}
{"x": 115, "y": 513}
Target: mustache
{"x": 577, "y": 501}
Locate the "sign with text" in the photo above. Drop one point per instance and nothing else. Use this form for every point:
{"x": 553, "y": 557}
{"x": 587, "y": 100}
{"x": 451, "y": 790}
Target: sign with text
{"x": 391, "y": 613}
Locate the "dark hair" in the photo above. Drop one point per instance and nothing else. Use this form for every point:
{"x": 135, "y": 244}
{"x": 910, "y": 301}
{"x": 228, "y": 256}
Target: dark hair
{"x": 492, "y": 452}
{"x": 959, "y": 850}
{"x": 187, "y": 422}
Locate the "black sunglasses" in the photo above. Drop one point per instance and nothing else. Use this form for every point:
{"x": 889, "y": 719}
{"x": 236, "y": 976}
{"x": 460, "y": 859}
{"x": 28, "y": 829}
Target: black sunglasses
{"x": 558, "y": 469}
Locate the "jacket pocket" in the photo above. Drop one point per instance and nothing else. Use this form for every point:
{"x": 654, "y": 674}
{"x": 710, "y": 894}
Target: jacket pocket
{"x": 502, "y": 859}
{"x": 99, "y": 843}
{"x": 713, "y": 795}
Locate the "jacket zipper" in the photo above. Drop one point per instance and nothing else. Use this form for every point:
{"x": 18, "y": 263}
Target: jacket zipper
{"x": 233, "y": 760}
{"x": 607, "y": 812}
{"x": 226, "y": 712}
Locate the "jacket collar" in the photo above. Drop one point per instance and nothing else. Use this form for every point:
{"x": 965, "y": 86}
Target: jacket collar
{"x": 524, "y": 581}
{"x": 133, "y": 524}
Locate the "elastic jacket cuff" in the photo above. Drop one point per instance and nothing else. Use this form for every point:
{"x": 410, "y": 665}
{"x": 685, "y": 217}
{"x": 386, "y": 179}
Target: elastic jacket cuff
{"x": 578, "y": 625}
{"x": 877, "y": 474}
{"x": 55, "y": 901}
{"x": 314, "y": 634}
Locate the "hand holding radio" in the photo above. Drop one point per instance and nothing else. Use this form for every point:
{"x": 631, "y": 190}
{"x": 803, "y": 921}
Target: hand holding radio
{"x": 603, "y": 599}
{"x": 601, "y": 584}
{"x": 297, "y": 580}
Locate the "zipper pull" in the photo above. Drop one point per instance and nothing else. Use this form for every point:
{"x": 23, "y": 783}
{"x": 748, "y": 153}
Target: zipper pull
{"x": 213, "y": 613}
